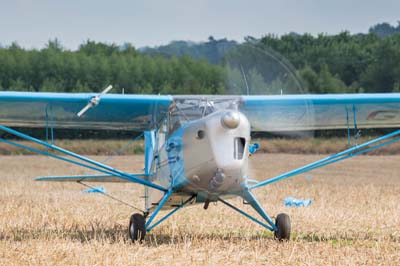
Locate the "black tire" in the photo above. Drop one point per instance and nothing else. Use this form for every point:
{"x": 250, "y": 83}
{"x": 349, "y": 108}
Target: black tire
{"x": 137, "y": 227}
{"x": 282, "y": 223}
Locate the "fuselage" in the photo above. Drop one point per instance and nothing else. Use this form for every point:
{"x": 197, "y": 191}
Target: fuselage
{"x": 206, "y": 158}
{"x": 215, "y": 155}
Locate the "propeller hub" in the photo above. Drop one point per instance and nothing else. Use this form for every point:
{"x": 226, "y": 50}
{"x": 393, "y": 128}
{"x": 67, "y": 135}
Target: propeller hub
{"x": 231, "y": 119}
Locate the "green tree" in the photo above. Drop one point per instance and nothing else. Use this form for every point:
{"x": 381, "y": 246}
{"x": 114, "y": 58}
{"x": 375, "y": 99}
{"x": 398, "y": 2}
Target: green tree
{"x": 381, "y": 74}
{"x": 310, "y": 79}
{"x": 327, "y": 83}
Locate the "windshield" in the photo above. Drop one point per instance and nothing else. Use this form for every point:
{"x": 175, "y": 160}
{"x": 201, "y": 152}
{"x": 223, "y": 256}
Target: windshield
{"x": 184, "y": 109}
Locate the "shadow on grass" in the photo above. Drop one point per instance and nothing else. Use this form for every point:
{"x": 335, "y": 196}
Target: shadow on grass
{"x": 119, "y": 234}
{"x": 157, "y": 239}
{"x": 109, "y": 235}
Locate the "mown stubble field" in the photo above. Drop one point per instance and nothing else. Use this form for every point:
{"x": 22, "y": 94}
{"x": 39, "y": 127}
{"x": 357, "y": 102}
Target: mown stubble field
{"x": 354, "y": 218}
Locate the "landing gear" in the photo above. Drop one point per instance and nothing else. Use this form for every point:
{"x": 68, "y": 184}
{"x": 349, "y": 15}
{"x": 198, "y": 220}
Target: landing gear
{"x": 282, "y": 223}
{"x": 137, "y": 227}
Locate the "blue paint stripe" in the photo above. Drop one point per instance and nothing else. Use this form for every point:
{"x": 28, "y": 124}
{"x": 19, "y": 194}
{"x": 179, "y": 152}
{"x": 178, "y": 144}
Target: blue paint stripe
{"x": 76, "y": 97}
{"x": 317, "y": 99}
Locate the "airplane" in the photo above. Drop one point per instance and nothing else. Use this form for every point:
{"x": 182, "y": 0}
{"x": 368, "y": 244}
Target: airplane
{"x": 197, "y": 147}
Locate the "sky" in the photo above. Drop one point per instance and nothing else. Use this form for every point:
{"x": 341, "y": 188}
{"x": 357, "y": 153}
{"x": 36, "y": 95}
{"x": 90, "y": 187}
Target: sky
{"x": 31, "y": 23}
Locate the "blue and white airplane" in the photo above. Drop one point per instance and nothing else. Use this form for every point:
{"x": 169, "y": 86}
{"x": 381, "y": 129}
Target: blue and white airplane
{"x": 196, "y": 147}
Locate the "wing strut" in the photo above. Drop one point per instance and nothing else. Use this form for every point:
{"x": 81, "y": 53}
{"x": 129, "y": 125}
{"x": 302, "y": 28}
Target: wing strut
{"x": 351, "y": 152}
{"x": 80, "y": 160}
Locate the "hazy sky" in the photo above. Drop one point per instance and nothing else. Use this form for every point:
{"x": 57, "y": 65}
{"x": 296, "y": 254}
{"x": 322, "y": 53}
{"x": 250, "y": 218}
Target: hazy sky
{"x": 32, "y": 22}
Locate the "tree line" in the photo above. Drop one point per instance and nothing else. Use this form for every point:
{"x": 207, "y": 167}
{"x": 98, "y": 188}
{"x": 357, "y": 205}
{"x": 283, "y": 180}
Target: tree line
{"x": 341, "y": 63}
{"x": 94, "y": 65}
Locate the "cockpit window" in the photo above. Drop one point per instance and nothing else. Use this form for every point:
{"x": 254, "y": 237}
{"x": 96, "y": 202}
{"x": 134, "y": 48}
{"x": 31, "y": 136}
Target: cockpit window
{"x": 239, "y": 145}
{"x": 174, "y": 123}
{"x": 185, "y": 109}
{"x": 188, "y": 109}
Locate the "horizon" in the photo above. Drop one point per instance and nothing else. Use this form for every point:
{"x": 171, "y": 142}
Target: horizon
{"x": 2, "y": 45}
{"x": 150, "y": 23}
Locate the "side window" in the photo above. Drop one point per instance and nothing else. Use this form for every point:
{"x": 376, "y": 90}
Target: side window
{"x": 174, "y": 123}
{"x": 162, "y": 135}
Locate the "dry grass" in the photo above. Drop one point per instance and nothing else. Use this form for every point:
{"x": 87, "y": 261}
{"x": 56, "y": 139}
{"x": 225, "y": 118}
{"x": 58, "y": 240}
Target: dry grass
{"x": 89, "y": 147}
{"x": 321, "y": 146}
{"x": 275, "y": 145}
{"x": 354, "y": 218}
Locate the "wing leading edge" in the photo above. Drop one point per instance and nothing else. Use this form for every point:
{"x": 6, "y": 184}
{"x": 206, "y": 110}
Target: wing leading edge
{"x": 115, "y": 111}
{"x": 328, "y": 111}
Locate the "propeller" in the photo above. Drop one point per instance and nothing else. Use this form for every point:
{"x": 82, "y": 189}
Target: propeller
{"x": 95, "y": 100}
{"x": 256, "y": 69}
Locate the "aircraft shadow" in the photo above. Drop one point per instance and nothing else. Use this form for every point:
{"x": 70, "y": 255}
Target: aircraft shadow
{"x": 119, "y": 234}
{"x": 109, "y": 235}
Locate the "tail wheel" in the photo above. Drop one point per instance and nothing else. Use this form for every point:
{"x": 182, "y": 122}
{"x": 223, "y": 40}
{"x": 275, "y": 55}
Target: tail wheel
{"x": 282, "y": 223}
{"x": 137, "y": 227}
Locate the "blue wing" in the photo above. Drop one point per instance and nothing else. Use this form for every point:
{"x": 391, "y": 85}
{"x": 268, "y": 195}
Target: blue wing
{"x": 329, "y": 111}
{"x": 143, "y": 112}
{"x": 115, "y": 111}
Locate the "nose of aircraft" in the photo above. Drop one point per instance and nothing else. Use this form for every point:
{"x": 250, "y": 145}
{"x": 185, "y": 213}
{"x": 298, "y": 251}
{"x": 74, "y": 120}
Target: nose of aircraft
{"x": 216, "y": 159}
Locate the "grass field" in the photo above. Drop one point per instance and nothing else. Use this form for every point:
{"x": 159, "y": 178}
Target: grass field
{"x": 354, "y": 218}
{"x": 272, "y": 145}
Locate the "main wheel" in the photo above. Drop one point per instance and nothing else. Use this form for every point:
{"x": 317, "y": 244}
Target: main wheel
{"x": 282, "y": 223}
{"x": 137, "y": 227}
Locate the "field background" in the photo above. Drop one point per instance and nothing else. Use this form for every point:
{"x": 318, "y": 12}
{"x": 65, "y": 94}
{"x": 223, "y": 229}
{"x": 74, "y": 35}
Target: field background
{"x": 354, "y": 218}
{"x": 317, "y": 145}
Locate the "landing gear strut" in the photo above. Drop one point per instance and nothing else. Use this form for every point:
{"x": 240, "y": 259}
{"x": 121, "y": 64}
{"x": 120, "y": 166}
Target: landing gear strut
{"x": 137, "y": 227}
{"x": 282, "y": 223}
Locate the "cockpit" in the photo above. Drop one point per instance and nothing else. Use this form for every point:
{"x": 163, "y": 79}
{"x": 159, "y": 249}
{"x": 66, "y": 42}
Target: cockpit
{"x": 184, "y": 110}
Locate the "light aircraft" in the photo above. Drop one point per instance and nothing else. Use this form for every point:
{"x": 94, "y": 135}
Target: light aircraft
{"x": 196, "y": 147}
